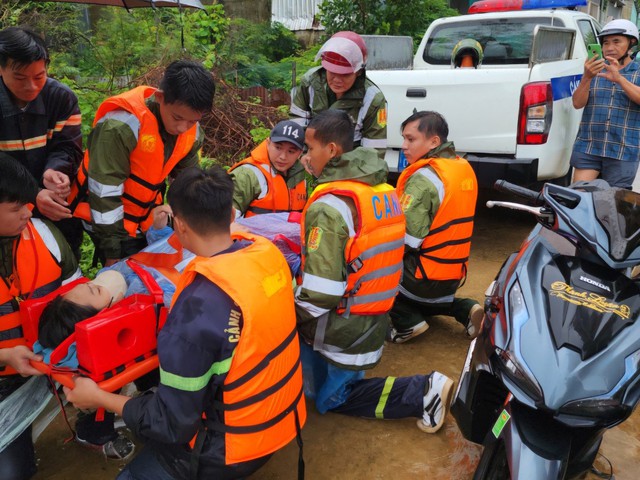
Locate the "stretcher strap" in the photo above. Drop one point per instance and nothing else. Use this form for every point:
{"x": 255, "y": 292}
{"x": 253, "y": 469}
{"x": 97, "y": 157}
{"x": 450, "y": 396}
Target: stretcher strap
{"x": 295, "y": 248}
{"x": 118, "y": 370}
{"x": 162, "y": 260}
{"x": 148, "y": 280}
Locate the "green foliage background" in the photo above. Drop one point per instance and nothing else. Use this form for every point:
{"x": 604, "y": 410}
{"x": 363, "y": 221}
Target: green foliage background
{"x": 383, "y": 17}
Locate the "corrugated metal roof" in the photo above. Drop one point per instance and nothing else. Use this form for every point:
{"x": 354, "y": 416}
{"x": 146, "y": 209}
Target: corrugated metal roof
{"x": 297, "y": 14}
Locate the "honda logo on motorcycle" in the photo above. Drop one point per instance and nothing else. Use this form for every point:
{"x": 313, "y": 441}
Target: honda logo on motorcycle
{"x": 591, "y": 281}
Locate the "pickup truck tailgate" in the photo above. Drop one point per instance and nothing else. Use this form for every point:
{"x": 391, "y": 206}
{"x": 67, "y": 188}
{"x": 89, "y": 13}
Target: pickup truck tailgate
{"x": 472, "y": 101}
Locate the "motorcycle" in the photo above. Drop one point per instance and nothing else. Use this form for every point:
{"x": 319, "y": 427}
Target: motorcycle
{"x": 557, "y": 362}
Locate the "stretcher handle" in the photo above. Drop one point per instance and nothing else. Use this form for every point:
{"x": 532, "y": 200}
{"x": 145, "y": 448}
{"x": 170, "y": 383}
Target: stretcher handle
{"x": 65, "y": 379}
{"x": 112, "y": 384}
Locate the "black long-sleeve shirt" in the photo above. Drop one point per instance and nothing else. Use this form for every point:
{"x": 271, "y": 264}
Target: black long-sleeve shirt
{"x": 46, "y": 133}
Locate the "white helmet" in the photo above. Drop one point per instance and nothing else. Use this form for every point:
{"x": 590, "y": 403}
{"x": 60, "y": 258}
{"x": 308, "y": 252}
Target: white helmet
{"x": 620, "y": 26}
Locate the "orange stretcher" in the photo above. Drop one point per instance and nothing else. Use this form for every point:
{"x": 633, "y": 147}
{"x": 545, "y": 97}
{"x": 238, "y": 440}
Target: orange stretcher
{"x": 114, "y": 347}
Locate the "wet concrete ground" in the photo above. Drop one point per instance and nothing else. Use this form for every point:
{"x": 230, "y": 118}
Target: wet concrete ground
{"x": 338, "y": 447}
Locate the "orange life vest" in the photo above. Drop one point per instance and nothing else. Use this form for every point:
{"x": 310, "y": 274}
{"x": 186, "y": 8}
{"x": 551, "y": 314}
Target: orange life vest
{"x": 279, "y": 197}
{"x": 374, "y": 254}
{"x": 262, "y": 399}
{"x": 148, "y": 171}
{"x": 35, "y": 274}
{"x": 444, "y": 252}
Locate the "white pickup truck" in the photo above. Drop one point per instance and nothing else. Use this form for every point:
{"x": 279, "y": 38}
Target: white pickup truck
{"x": 512, "y": 117}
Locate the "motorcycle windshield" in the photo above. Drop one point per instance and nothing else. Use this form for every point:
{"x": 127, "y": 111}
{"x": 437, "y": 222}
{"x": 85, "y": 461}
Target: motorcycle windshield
{"x": 618, "y": 211}
{"x": 587, "y": 306}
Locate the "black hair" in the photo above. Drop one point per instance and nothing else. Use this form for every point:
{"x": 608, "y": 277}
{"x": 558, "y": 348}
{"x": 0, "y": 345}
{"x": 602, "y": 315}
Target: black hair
{"x": 203, "y": 199}
{"x": 430, "y": 123}
{"x": 188, "y": 83}
{"x": 16, "y": 182}
{"x": 333, "y": 126}
{"x": 58, "y": 320}
{"x": 22, "y": 46}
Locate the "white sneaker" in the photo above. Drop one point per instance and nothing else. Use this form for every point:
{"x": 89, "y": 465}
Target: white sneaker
{"x": 474, "y": 322}
{"x": 436, "y": 403}
{"x": 401, "y": 336}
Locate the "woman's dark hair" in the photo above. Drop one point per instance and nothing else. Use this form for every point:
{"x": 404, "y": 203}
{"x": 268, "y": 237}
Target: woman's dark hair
{"x": 58, "y": 320}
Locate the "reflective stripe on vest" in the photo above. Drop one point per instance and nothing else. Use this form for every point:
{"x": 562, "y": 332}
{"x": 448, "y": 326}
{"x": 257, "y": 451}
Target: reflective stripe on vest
{"x": 35, "y": 274}
{"x": 279, "y": 197}
{"x": 444, "y": 252}
{"x": 148, "y": 171}
{"x": 375, "y": 250}
{"x": 262, "y": 392}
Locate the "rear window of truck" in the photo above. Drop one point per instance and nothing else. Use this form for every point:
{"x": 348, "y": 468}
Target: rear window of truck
{"x": 505, "y": 41}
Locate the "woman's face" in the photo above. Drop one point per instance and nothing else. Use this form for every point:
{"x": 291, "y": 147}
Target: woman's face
{"x": 107, "y": 288}
{"x": 90, "y": 295}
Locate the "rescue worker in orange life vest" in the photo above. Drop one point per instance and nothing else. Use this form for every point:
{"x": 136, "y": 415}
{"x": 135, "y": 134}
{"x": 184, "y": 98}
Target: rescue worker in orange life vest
{"x": 216, "y": 389}
{"x": 438, "y": 192}
{"x": 35, "y": 259}
{"x": 139, "y": 138}
{"x": 272, "y": 180}
{"x": 353, "y": 230}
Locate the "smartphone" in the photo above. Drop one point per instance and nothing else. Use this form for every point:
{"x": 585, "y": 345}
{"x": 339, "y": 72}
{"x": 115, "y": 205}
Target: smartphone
{"x": 594, "y": 49}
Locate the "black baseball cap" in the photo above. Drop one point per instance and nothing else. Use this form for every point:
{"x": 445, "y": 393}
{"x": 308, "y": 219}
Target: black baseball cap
{"x": 288, "y": 131}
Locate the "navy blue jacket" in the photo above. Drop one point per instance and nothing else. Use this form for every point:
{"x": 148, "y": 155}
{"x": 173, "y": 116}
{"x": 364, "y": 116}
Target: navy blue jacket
{"x": 192, "y": 341}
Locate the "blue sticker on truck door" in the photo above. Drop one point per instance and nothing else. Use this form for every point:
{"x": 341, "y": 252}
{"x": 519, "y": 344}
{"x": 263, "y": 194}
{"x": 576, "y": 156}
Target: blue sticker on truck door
{"x": 563, "y": 87}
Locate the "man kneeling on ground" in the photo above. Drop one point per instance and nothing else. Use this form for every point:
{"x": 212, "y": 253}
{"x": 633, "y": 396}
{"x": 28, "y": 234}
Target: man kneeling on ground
{"x": 438, "y": 192}
{"x": 233, "y": 310}
{"x": 353, "y": 230}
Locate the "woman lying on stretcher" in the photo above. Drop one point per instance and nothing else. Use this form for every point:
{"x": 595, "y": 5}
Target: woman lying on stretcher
{"x": 164, "y": 259}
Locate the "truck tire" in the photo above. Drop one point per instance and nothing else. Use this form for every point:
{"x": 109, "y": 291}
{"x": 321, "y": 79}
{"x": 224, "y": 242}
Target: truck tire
{"x": 493, "y": 463}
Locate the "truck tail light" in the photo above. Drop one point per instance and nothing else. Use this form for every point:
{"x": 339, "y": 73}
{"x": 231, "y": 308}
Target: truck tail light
{"x": 536, "y": 109}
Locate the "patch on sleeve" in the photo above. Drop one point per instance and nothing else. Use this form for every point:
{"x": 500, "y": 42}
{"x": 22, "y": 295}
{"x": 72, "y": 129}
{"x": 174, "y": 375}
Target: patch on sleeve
{"x": 382, "y": 117}
{"x": 315, "y": 236}
{"x": 405, "y": 201}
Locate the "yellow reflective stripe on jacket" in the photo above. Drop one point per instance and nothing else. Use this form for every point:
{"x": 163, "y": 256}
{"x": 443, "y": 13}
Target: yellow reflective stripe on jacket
{"x": 193, "y": 384}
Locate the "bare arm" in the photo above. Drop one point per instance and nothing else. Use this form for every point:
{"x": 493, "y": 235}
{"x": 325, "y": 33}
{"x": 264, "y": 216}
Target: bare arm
{"x": 18, "y": 357}
{"x": 88, "y": 396}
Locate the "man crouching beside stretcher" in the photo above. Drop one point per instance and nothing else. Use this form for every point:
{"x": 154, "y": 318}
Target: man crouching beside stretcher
{"x": 221, "y": 408}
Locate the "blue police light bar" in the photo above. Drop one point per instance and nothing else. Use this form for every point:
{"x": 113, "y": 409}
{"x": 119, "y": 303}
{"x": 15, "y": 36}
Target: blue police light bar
{"x": 484, "y": 6}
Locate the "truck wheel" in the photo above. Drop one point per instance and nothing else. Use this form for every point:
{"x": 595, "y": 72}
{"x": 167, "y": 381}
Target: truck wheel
{"x": 493, "y": 463}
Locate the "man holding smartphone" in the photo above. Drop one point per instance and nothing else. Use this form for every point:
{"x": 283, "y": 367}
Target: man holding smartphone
{"x": 608, "y": 141}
